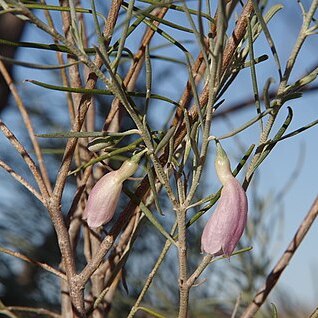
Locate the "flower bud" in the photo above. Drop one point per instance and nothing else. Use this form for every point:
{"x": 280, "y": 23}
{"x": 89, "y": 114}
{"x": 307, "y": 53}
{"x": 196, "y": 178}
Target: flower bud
{"x": 103, "y": 198}
{"x": 226, "y": 225}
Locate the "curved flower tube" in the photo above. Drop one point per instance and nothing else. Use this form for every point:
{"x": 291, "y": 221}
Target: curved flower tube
{"x": 226, "y": 225}
{"x": 103, "y": 198}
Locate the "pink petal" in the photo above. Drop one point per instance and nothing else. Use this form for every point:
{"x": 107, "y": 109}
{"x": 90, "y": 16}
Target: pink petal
{"x": 102, "y": 200}
{"x": 226, "y": 225}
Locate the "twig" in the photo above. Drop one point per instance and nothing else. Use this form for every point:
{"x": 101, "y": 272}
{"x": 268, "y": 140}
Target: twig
{"x": 204, "y": 263}
{"x": 26, "y": 157}
{"x": 131, "y": 77}
{"x": 314, "y": 314}
{"x": 242, "y": 105}
{"x": 182, "y": 255}
{"x": 280, "y": 266}
{"x": 236, "y": 307}
{"x": 29, "y": 260}
{"x": 152, "y": 274}
{"x": 28, "y": 125}
{"x": 39, "y": 311}
{"x": 233, "y": 42}
{"x": 303, "y": 34}
{"x": 25, "y": 183}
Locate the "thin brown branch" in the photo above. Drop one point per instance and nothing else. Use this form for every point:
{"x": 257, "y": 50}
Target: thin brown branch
{"x": 85, "y": 103}
{"x": 38, "y": 311}
{"x": 235, "y": 39}
{"x": 183, "y": 268}
{"x": 111, "y": 21}
{"x": 26, "y": 157}
{"x": 281, "y": 265}
{"x": 130, "y": 79}
{"x": 74, "y": 76}
{"x": 237, "y": 35}
{"x": 75, "y": 287}
{"x": 116, "y": 261}
{"x": 25, "y": 183}
{"x": 36, "y": 263}
{"x": 314, "y": 314}
{"x": 199, "y": 66}
{"x": 27, "y": 122}
{"x": 202, "y": 266}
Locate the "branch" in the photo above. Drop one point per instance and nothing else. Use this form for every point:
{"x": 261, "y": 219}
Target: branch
{"x": 280, "y": 266}
{"x": 38, "y": 311}
{"x": 29, "y": 260}
{"x": 25, "y": 183}
{"x": 26, "y": 157}
{"x": 28, "y": 125}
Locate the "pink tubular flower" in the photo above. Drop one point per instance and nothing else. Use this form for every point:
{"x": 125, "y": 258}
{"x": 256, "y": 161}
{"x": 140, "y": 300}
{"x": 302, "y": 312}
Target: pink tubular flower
{"x": 103, "y": 198}
{"x": 226, "y": 225}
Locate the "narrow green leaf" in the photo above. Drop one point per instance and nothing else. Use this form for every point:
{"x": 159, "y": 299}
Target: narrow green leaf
{"x": 240, "y": 251}
{"x": 50, "y": 47}
{"x": 34, "y": 65}
{"x": 257, "y": 60}
{"x": 164, "y": 34}
{"x": 253, "y": 74}
{"x": 172, "y": 6}
{"x": 71, "y": 134}
{"x": 297, "y": 131}
{"x": 152, "y": 184}
{"x": 148, "y": 78}
{"x": 268, "y": 37}
{"x": 274, "y": 311}
{"x": 267, "y": 101}
{"x": 131, "y": 147}
{"x": 268, "y": 148}
{"x": 85, "y": 134}
{"x": 151, "y": 312}
{"x": 150, "y": 216}
{"x": 124, "y": 34}
{"x": 199, "y": 34}
{"x": 246, "y": 125}
{"x": 98, "y": 91}
{"x": 305, "y": 80}
{"x": 164, "y": 141}
{"x": 146, "y": 13}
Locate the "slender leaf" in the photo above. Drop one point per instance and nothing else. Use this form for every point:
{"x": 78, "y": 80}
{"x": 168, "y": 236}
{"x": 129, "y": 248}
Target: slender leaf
{"x": 268, "y": 37}
{"x": 99, "y": 91}
{"x": 150, "y": 216}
